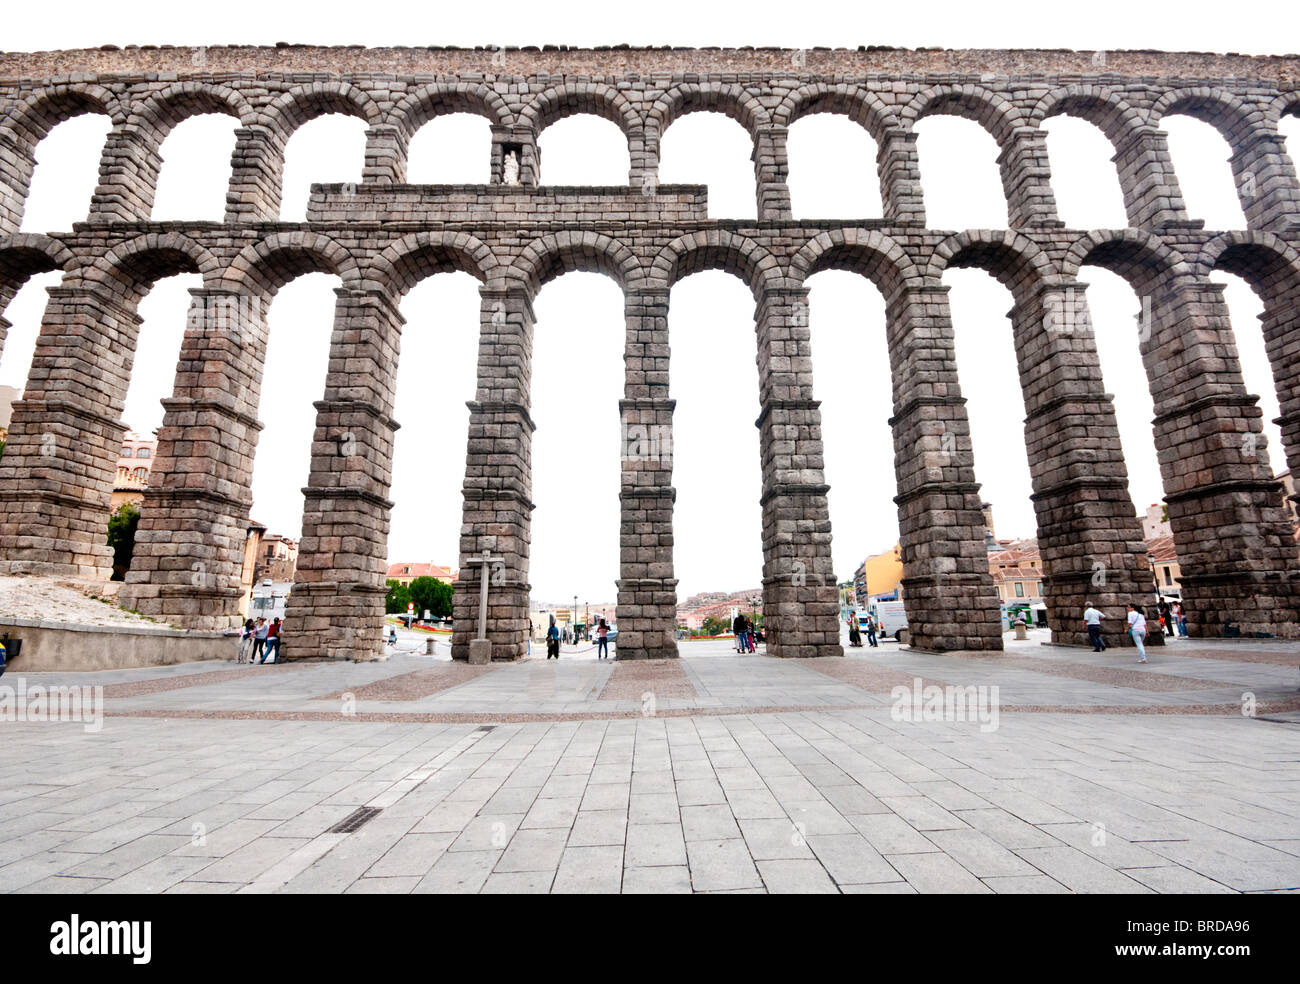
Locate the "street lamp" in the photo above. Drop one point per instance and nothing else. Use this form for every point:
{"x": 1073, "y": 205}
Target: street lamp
{"x": 575, "y": 620}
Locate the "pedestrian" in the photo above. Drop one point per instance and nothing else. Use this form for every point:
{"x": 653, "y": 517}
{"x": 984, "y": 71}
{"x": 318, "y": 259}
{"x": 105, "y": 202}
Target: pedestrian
{"x": 392, "y": 635}
{"x": 602, "y": 640}
{"x": 1092, "y": 619}
{"x": 1137, "y": 627}
{"x": 259, "y": 639}
{"x": 272, "y": 642}
{"x": 246, "y": 639}
{"x": 855, "y": 632}
{"x": 749, "y": 634}
{"x": 552, "y": 640}
{"x": 2, "y": 656}
{"x": 1180, "y": 619}
{"x": 871, "y": 633}
{"x": 738, "y": 630}
{"x": 1166, "y": 617}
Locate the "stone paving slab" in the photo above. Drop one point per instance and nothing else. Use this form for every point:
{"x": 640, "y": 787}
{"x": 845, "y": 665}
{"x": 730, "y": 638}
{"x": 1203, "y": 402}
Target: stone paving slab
{"x": 183, "y": 789}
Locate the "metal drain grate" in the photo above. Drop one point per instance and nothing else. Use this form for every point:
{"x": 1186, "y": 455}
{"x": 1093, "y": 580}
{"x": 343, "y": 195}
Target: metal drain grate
{"x": 485, "y": 727}
{"x": 356, "y": 819}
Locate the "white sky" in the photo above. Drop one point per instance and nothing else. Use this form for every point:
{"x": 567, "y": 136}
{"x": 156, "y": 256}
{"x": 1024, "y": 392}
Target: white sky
{"x": 578, "y": 346}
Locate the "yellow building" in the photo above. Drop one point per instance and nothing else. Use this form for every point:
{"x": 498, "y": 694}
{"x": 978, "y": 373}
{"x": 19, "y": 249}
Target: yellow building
{"x": 880, "y": 574}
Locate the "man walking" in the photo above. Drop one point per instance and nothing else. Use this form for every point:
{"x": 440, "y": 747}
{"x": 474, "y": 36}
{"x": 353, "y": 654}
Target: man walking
{"x": 1092, "y": 618}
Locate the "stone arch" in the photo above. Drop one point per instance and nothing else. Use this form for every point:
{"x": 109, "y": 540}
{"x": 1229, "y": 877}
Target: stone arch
{"x": 27, "y": 124}
{"x": 569, "y": 99}
{"x": 691, "y": 97}
{"x": 718, "y": 249}
{"x": 266, "y": 266}
{"x": 160, "y": 111}
{"x": 31, "y": 121}
{"x": 414, "y": 257}
{"x": 546, "y": 258}
{"x": 1017, "y": 262}
{"x": 1223, "y": 110}
{"x": 129, "y": 270}
{"x": 994, "y": 112}
{"x": 1264, "y": 260}
{"x": 1144, "y": 260}
{"x": 1097, "y": 104}
{"x": 302, "y": 104}
{"x": 27, "y": 254}
{"x": 868, "y": 252}
{"x": 421, "y": 105}
{"x": 859, "y": 104}
{"x": 1285, "y": 104}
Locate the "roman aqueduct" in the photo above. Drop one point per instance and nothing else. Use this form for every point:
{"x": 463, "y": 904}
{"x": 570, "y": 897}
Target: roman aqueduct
{"x": 383, "y": 236}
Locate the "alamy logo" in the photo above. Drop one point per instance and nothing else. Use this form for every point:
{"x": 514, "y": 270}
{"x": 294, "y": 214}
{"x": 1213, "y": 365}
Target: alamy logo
{"x": 934, "y": 703}
{"x": 99, "y": 938}
{"x": 40, "y": 703}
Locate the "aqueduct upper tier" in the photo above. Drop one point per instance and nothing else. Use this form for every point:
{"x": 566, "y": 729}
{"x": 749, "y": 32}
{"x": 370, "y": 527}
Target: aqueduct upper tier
{"x": 382, "y": 236}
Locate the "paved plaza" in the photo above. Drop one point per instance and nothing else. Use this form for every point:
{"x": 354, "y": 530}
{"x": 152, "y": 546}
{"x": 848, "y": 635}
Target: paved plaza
{"x": 717, "y": 772}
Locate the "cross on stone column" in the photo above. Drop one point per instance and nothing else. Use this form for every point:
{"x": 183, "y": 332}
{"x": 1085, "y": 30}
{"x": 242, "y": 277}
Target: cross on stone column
{"x": 480, "y": 649}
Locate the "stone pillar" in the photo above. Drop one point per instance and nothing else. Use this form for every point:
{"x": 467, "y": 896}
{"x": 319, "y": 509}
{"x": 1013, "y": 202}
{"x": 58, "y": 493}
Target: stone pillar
{"x": 771, "y": 171}
{"x": 17, "y": 164}
{"x": 128, "y": 176}
{"x": 523, "y": 141}
{"x": 1089, "y": 535}
{"x": 647, "y": 589}
{"x": 1266, "y": 181}
{"x": 900, "y": 179}
{"x": 498, "y": 479}
{"x": 56, "y": 476}
{"x": 256, "y": 177}
{"x": 1231, "y": 531}
{"x": 800, "y": 597}
{"x": 1152, "y": 197}
{"x": 1027, "y": 179}
{"x": 948, "y": 591}
{"x": 387, "y": 153}
{"x": 5, "y": 325}
{"x": 187, "y": 568}
{"x": 336, "y": 607}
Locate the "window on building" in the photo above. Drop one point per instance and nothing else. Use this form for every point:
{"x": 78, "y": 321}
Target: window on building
{"x": 141, "y": 473}
{"x": 143, "y": 453}
{"x": 1168, "y": 577}
{"x": 1020, "y": 589}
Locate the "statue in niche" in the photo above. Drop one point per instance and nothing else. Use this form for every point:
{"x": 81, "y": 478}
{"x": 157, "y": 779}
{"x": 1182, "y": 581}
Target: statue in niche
{"x": 510, "y": 169}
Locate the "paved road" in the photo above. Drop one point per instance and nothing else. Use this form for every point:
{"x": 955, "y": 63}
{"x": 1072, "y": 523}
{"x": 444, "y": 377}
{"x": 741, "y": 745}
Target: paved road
{"x": 713, "y": 773}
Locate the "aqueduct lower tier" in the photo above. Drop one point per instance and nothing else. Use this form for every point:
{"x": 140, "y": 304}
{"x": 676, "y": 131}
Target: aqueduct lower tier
{"x": 382, "y": 236}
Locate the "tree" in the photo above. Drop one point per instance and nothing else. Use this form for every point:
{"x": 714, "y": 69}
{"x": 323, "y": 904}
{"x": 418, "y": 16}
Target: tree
{"x": 715, "y": 626}
{"x": 121, "y": 537}
{"x": 432, "y": 595}
{"x": 398, "y": 596}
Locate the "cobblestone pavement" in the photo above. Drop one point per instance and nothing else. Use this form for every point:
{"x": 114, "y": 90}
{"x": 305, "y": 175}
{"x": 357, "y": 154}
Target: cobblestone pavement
{"x": 1082, "y": 772}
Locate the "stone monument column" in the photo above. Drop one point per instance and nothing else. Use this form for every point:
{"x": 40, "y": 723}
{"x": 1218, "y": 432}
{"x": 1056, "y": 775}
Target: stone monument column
{"x": 647, "y": 588}
{"x": 1231, "y": 531}
{"x": 948, "y": 591}
{"x": 56, "y": 476}
{"x": 498, "y": 479}
{"x": 800, "y": 596}
{"x": 1089, "y": 535}
{"x": 187, "y": 568}
{"x": 336, "y": 607}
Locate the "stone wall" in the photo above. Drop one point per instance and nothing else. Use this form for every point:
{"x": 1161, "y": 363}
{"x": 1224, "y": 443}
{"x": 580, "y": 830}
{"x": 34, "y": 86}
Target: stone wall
{"x": 382, "y": 236}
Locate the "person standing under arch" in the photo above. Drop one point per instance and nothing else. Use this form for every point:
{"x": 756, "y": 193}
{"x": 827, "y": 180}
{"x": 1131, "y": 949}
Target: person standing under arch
{"x": 552, "y": 640}
{"x": 602, "y": 640}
